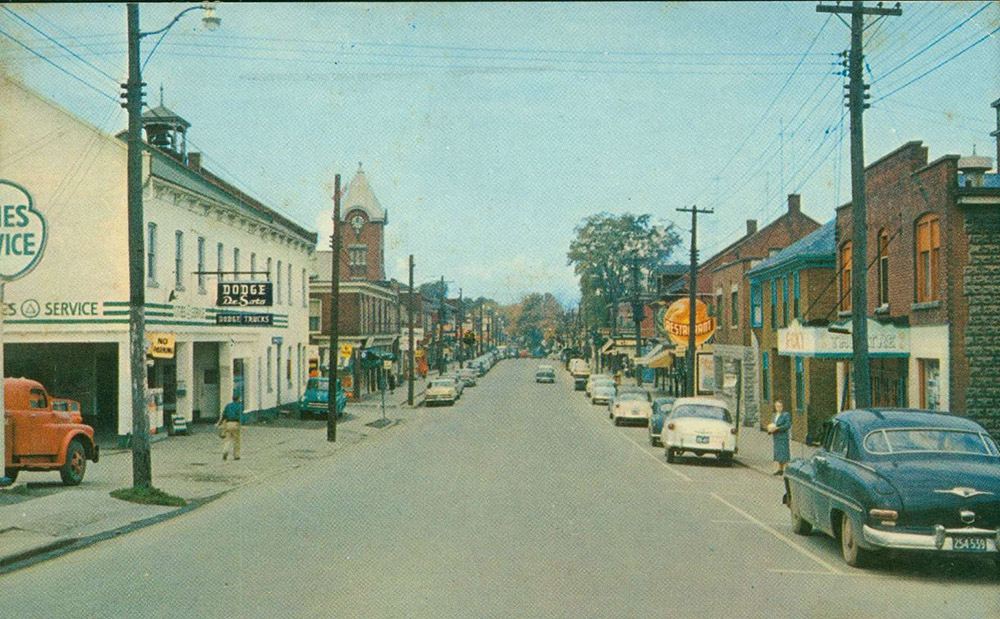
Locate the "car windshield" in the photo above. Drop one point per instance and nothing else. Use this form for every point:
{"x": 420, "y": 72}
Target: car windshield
{"x": 702, "y": 411}
{"x": 605, "y": 388}
{"x": 318, "y": 383}
{"x": 911, "y": 440}
{"x": 443, "y": 382}
{"x": 632, "y": 397}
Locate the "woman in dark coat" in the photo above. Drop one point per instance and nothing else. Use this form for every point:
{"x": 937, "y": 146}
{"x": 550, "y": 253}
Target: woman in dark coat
{"x": 779, "y": 434}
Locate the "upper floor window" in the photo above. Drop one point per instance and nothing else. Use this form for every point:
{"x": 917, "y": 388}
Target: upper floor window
{"x": 219, "y": 261}
{"x": 845, "y": 276}
{"x": 278, "y": 284}
{"x": 883, "y": 268}
{"x": 305, "y": 288}
{"x": 253, "y": 266}
{"x": 756, "y": 310}
{"x": 928, "y": 257}
{"x": 774, "y": 304}
{"x": 315, "y": 308}
{"x": 357, "y": 255}
{"x": 201, "y": 264}
{"x": 268, "y": 274}
{"x": 290, "y": 284}
{"x": 236, "y": 263}
{"x": 179, "y": 260}
{"x": 735, "y": 303}
{"x": 151, "y": 254}
{"x": 796, "y": 296}
{"x": 784, "y": 301}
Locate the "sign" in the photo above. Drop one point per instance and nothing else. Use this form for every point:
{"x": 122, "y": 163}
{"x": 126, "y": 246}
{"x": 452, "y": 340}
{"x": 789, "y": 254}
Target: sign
{"x": 387, "y": 365}
{"x": 161, "y": 345}
{"x": 244, "y": 320}
{"x": 346, "y": 350}
{"x": 884, "y": 340}
{"x": 22, "y": 232}
{"x": 245, "y": 294}
{"x": 276, "y": 340}
{"x": 676, "y": 322}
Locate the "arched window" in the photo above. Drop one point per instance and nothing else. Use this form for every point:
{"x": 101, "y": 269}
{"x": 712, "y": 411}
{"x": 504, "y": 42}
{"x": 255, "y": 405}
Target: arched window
{"x": 883, "y": 268}
{"x": 845, "y": 276}
{"x": 928, "y": 257}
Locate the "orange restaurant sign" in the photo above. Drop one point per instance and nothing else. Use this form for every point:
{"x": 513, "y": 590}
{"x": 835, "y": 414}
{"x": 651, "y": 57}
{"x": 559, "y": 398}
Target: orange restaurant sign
{"x": 676, "y": 322}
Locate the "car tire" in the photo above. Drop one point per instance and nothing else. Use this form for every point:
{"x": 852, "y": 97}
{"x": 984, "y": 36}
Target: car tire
{"x": 616, "y": 420}
{"x": 854, "y": 555}
{"x": 76, "y": 464}
{"x": 12, "y": 475}
{"x": 671, "y": 455}
{"x": 726, "y": 459}
{"x": 800, "y": 526}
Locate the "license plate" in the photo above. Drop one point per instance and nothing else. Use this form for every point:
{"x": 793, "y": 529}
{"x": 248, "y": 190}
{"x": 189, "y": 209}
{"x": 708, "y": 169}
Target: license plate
{"x": 970, "y": 544}
{"x": 702, "y": 440}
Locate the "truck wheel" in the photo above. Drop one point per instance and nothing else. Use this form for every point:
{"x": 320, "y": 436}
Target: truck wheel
{"x": 76, "y": 464}
{"x": 12, "y": 475}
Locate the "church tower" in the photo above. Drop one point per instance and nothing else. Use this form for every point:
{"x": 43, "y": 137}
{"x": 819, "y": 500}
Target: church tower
{"x": 363, "y": 234}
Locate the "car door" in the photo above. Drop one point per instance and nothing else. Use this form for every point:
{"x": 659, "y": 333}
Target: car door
{"x": 831, "y": 469}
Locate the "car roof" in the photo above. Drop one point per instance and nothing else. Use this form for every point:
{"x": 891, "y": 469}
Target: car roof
{"x": 701, "y": 400}
{"x": 866, "y": 420}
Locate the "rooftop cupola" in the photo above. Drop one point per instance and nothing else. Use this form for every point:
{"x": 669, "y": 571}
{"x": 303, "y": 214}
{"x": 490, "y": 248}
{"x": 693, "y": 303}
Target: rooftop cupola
{"x": 166, "y": 130}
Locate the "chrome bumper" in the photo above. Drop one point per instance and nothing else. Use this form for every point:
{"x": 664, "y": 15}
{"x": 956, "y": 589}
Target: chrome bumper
{"x": 942, "y": 540}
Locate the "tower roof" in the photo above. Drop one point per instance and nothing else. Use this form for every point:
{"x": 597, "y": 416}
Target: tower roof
{"x": 359, "y": 195}
{"x": 163, "y": 114}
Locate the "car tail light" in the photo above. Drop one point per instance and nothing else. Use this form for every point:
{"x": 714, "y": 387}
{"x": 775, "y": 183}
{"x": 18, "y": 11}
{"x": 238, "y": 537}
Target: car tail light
{"x": 671, "y": 426}
{"x": 884, "y": 514}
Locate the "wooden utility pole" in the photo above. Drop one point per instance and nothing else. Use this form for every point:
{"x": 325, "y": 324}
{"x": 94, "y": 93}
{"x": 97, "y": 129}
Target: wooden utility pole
{"x": 859, "y": 220}
{"x": 692, "y": 297}
{"x": 409, "y": 392}
{"x": 440, "y": 346}
{"x": 331, "y": 406}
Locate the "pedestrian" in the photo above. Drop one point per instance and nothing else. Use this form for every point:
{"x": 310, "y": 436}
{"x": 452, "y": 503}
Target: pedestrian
{"x": 778, "y": 429}
{"x": 229, "y": 428}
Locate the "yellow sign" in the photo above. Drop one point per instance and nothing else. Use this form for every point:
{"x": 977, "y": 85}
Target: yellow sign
{"x": 418, "y": 353}
{"x": 346, "y": 350}
{"x": 676, "y": 322}
{"x": 161, "y": 345}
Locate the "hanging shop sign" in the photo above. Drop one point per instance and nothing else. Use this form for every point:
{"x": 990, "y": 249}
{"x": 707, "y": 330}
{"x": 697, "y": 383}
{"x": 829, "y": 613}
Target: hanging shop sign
{"x": 22, "y": 232}
{"x": 244, "y": 320}
{"x": 161, "y": 345}
{"x": 245, "y": 294}
{"x": 676, "y": 322}
{"x": 346, "y": 350}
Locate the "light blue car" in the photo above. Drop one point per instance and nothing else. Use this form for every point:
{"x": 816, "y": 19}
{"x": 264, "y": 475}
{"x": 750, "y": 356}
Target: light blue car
{"x": 315, "y": 401}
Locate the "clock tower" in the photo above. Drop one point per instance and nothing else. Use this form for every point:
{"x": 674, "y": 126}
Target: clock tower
{"x": 363, "y": 232}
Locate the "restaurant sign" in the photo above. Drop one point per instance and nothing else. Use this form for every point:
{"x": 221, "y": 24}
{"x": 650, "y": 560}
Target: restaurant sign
{"x": 834, "y": 341}
{"x": 675, "y": 322}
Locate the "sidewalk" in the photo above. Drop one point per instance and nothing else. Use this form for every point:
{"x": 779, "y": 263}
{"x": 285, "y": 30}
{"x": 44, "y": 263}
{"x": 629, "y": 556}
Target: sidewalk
{"x": 40, "y": 515}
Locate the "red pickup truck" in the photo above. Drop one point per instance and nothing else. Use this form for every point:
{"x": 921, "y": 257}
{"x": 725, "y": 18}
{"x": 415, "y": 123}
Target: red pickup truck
{"x": 44, "y": 433}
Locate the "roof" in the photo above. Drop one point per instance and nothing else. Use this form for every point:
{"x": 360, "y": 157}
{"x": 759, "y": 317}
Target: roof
{"x": 165, "y": 114}
{"x": 866, "y": 420}
{"x": 359, "y": 195}
{"x": 817, "y": 248}
{"x": 701, "y": 400}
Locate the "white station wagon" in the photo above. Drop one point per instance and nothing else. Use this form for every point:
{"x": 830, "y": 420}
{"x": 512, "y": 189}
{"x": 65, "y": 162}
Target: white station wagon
{"x": 699, "y": 426}
{"x": 632, "y": 405}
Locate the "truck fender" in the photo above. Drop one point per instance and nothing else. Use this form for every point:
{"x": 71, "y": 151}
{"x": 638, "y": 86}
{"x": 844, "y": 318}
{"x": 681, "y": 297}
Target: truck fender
{"x": 88, "y": 445}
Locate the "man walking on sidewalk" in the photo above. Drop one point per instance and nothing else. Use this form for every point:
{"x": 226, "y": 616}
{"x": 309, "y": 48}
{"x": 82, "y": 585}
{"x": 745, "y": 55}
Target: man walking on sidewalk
{"x": 229, "y": 423}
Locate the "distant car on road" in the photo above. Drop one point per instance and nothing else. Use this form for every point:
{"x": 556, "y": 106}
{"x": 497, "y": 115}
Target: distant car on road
{"x": 580, "y": 371}
{"x": 631, "y": 406}
{"x": 661, "y": 408}
{"x": 603, "y": 393}
{"x": 459, "y": 382}
{"x": 900, "y": 479}
{"x": 700, "y": 426}
{"x": 469, "y": 376}
{"x": 441, "y": 390}
{"x": 545, "y": 374}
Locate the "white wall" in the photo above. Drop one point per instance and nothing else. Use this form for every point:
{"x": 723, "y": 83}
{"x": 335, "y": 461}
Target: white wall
{"x": 930, "y": 342}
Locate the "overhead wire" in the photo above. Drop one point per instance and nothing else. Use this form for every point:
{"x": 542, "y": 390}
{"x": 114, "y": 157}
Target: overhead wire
{"x": 58, "y": 67}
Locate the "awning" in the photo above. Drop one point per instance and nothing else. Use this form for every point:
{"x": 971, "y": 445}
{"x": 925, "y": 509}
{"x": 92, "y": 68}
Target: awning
{"x": 664, "y": 359}
{"x": 607, "y": 346}
{"x": 834, "y": 341}
{"x": 646, "y": 358}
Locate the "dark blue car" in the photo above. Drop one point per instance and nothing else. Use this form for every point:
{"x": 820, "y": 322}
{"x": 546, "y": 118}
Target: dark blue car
{"x": 900, "y": 480}
{"x": 314, "y": 402}
{"x": 661, "y": 408}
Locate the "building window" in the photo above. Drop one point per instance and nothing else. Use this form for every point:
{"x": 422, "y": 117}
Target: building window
{"x": 357, "y": 255}
{"x": 756, "y": 301}
{"x": 796, "y": 296}
{"x": 219, "y": 263}
{"x": 270, "y": 384}
{"x": 883, "y": 268}
{"x": 288, "y": 367}
{"x": 774, "y": 304}
{"x": 201, "y": 265}
{"x": 290, "y": 285}
{"x": 930, "y": 384}
{"x": 278, "y": 285}
{"x": 305, "y": 289}
{"x": 253, "y": 266}
{"x": 784, "y": 301}
{"x": 179, "y": 260}
{"x": 735, "y": 307}
{"x": 718, "y": 308}
{"x": 151, "y": 255}
{"x": 845, "y": 276}
{"x": 236, "y": 263}
{"x": 928, "y": 256}
{"x": 800, "y": 384}
{"x": 268, "y": 274}
{"x": 765, "y": 377}
{"x": 315, "y": 311}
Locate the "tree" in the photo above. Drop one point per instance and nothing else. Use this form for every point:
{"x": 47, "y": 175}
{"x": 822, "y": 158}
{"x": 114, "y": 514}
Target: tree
{"x": 535, "y": 318}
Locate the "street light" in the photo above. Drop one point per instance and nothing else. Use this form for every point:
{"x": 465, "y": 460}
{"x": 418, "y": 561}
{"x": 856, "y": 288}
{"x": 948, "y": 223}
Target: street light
{"x": 141, "y": 464}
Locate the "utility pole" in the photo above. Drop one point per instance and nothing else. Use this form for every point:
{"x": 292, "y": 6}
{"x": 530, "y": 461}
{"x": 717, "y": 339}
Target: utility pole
{"x": 638, "y": 314}
{"x": 441, "y": 330}
{"x": 331, "y": 407}
{"x": 459, "y": 344}
{"x": 859, "y": 219}
{"x": 409, "y": 392}
{"x": 692, "y": 297}
{"x": 479, "y": 339}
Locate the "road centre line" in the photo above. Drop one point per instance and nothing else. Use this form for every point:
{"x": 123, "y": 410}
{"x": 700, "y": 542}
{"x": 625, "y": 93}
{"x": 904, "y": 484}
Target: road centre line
{"x": 778, "y": 534}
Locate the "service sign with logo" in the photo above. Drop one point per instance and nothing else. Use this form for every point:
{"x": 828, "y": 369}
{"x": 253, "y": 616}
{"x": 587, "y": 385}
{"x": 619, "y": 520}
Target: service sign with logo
{"x": 22, "y": 232}
{"x": 245, "y": 294}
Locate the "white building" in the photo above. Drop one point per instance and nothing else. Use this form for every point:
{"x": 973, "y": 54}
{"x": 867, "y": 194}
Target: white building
{"x": 67, "y": 321}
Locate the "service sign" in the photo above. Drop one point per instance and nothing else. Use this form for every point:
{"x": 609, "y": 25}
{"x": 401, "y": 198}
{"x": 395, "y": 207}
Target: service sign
{"x": 245, "y": 294}
{"x": 22, "y": 232}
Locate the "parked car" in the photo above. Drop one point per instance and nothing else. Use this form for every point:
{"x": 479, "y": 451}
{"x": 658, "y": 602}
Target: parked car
{"x": 700, "y": 426}
{"x": 469, "y": 376}
{"x": 631, "y": 406}
{"x": 661, "y": 408}
{"x": 441, "y": 390}
{"x": 593, "y": 379}
{"x": 900, "y": 479}
{"x": 580, "y": 371}
{"x": 315, "y": 400}
{"x": 603, "y": 392}
{"x": 545, "y": 374}
{"x": 39, "y": 437}
{"x": 459, "y": 382}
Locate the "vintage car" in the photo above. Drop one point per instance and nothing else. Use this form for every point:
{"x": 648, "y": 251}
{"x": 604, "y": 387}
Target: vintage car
{"x": 469, "y": 376}
{"x": 603, "y": 392}
{"x": 581, "y": 372}
{"x": 595, "y": 379}
{"x": 699, "y": 426}
{"x": 315, "y": 401}
{"x": 459, "y": 382}
{"x": 632, "y": 405}
{"x": 661, "y": 408}
{"x": 441, "y": 390}
{"x": 43, "y": 437}
{"x": 545, "y": 374}
{"x": 900, "y": 479}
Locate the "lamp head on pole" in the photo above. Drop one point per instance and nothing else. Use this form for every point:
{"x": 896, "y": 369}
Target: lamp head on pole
{"x": 210, "y": 20}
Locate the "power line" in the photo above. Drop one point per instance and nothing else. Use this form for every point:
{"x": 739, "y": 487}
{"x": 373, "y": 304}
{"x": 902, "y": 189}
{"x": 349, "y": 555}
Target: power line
{"x": 68, "y": 50}
{"x": 46, "y": 59}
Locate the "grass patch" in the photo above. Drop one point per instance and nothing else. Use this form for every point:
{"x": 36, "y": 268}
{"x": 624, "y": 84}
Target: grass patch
{"x": 148, "y": 496}
{"x": 22, "y": 490}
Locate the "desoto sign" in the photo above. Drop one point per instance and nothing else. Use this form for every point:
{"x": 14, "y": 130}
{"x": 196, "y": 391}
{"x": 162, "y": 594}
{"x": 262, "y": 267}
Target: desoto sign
{"x": 236, "y": 294}
{"x": 22, "y": 232}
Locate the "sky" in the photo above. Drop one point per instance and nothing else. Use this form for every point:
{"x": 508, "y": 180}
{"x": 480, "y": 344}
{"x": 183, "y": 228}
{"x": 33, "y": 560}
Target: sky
{"x": 489, "y": 131}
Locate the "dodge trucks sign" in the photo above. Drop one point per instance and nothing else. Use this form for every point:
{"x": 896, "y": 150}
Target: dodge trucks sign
{"x": 22, "y": 232}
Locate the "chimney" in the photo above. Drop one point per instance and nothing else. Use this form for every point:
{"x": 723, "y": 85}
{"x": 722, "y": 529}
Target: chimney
{"x": 751, "y": 226}
{"x": 194, "y": 161}
{"x": 794, "y": 203}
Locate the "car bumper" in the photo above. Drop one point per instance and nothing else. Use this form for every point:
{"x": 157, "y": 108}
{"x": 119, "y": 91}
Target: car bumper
{"x": 601, "y": 400}
{"x": 942, "y": 541}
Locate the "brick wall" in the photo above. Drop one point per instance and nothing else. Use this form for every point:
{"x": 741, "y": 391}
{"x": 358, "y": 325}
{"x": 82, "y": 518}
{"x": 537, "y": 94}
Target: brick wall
{"x": 372, "y": 237}
{"x": 982, "y": 336}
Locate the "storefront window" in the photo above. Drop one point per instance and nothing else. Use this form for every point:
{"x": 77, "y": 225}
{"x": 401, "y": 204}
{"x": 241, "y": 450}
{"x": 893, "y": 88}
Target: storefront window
{"x": 930, "y": 384}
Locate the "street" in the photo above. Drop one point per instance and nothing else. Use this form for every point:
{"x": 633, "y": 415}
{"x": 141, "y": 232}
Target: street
{"x": 522, "y": 500}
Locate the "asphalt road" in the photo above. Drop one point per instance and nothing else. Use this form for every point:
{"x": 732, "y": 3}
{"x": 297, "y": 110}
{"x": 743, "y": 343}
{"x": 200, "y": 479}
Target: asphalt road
{"x": 520, "y": 501}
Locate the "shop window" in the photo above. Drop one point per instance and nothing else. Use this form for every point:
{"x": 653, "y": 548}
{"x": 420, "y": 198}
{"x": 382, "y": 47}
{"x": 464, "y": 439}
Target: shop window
{"x": 800, "y": 384}
{"x": 930, "y": 384}
{"x": 774, "y": 304}
{"x": 784, "y": 301}
{"x": 796, "y": 296}
{"x": 765, "y": 377}
{"x": 201, "y": 265}
{"x": 151, "y": 254}
{"x": 756, "y": 301}
{"x": 179, "y": 260}
{"x": 883, "y": 268}
{"x": 845, "y": 276}
{"x": 928, "y": 257}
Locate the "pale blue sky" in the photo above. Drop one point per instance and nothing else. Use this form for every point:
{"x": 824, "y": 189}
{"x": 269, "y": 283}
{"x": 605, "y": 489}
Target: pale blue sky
{"x": 490, "y": 130}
